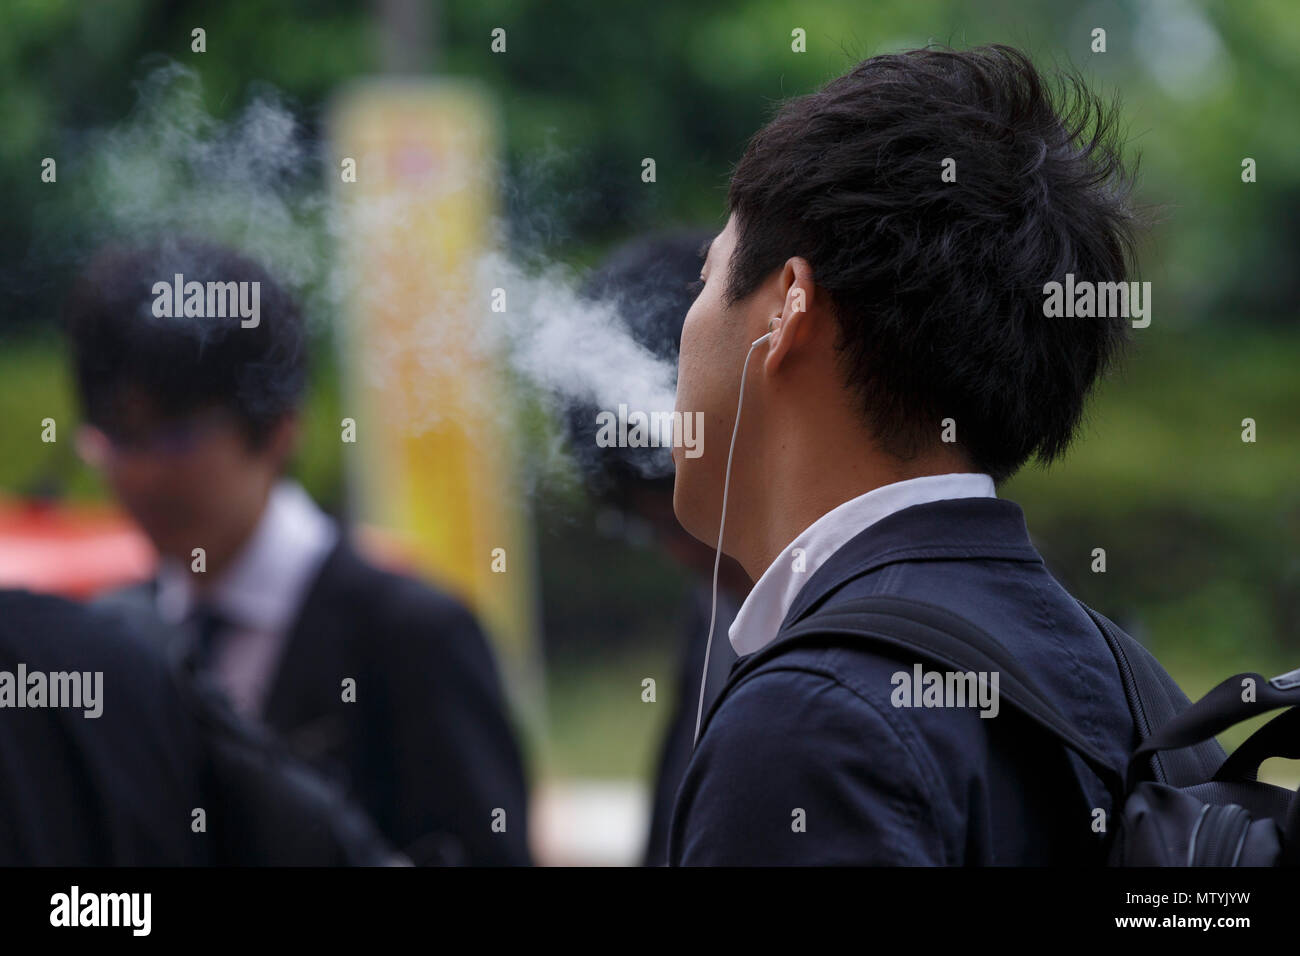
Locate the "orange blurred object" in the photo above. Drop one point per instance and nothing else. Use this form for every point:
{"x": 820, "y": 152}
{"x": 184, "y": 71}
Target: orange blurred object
{"x": 80, "y": 550}
{"x": 72, "y": 549}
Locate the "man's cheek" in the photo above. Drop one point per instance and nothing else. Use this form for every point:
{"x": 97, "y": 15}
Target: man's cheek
{"x": 686, "y": 398}
{"x": 685, "y": 381}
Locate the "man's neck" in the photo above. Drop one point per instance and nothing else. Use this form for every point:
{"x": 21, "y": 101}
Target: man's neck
{"x": 802, "y": 486}
{"x": 220, "y": 559}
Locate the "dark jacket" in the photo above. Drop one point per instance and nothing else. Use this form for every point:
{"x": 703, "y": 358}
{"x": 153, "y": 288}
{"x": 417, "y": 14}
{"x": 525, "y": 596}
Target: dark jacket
{"x": 427, "y": 747}
{"x": 165, "y": 775}
{"x": 809, "y": 733}
{"x": 679, "y": 738}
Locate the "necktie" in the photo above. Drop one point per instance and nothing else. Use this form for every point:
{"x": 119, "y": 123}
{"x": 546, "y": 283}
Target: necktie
{"x": 208, "y": 625}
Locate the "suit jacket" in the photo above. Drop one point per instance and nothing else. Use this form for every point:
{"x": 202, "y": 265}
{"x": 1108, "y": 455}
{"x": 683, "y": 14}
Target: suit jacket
{"x": 813, "y": 729}
{"x": 679, "y": 738}
{"x": 114, "y": 789}
{"x": 164, "y": 775}
{"x": 427, "y": 747}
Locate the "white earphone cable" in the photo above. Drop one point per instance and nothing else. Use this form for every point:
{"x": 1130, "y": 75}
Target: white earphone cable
{"x": 722, "y": 524}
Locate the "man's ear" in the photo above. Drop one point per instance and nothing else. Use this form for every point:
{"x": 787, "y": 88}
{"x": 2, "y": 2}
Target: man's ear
{"x": 793, "y": 328}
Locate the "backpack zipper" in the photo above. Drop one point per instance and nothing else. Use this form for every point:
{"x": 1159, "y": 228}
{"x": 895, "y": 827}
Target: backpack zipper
{"x": 1219, "y": 835}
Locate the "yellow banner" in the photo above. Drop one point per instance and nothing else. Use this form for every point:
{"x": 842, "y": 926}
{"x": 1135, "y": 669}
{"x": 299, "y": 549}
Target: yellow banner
{"x": 433, "y": 458}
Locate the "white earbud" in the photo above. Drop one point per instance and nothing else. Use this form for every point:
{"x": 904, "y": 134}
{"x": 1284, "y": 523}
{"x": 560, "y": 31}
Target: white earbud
{"x": 772, "y": 324}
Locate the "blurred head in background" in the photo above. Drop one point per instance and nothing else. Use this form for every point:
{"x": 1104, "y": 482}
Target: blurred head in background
{"x": 191, "y": 418}
{"x": 650, "y": 282}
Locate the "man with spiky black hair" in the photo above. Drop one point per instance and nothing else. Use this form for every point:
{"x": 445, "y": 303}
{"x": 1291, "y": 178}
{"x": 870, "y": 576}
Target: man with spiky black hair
{"x": 894, "y": 232}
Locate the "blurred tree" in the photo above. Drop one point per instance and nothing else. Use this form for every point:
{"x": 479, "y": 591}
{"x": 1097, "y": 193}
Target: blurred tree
{"x": 587, "y": 93}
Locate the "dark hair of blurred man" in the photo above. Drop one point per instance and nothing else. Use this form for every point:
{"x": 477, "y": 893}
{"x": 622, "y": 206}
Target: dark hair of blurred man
{"x": 193, "y": 418}
{"x": 650, "y": 283}
{"x": 894, "y": 231}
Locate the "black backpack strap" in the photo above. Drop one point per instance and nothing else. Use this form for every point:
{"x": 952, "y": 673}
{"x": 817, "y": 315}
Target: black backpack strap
{"x": 1280, "y": 737}
{"x": 1155, "y": 699}
{"x": 1224, "y": 707}
{"x": 943, "y": 637}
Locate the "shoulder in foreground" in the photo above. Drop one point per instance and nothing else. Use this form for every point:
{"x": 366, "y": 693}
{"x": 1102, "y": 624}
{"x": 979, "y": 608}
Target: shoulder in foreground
{"x": 53, "y": 629}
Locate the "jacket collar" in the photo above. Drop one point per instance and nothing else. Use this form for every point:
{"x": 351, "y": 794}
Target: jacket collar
{"x": 953, "y": 529}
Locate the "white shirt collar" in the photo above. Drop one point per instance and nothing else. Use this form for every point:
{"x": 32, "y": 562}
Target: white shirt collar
{"x": 760, "y": 617}
{"x": 268, "y": 580}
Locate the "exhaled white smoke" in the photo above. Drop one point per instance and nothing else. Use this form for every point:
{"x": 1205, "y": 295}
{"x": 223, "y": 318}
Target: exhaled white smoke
{"x": 572, "y": 347}
{"x": 172, "y": 169}
{"x": 257, "y": 183}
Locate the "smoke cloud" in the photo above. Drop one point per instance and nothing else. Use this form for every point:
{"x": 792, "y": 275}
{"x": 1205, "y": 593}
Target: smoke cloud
{"x": 257, "y": 182}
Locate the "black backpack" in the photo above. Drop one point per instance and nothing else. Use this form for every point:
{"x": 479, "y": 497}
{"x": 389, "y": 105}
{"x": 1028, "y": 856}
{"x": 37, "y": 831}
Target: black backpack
{"x": 1179, "y": 802}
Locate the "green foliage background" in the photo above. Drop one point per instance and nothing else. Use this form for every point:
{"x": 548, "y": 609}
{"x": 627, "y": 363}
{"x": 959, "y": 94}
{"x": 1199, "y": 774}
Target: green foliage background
{"x": 1200, "y": 530}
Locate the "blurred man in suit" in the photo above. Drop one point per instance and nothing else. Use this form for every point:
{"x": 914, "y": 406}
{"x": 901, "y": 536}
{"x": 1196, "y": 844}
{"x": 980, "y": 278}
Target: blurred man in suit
{"x": 650, "y": 284}
{"x": 382, "y": 682}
